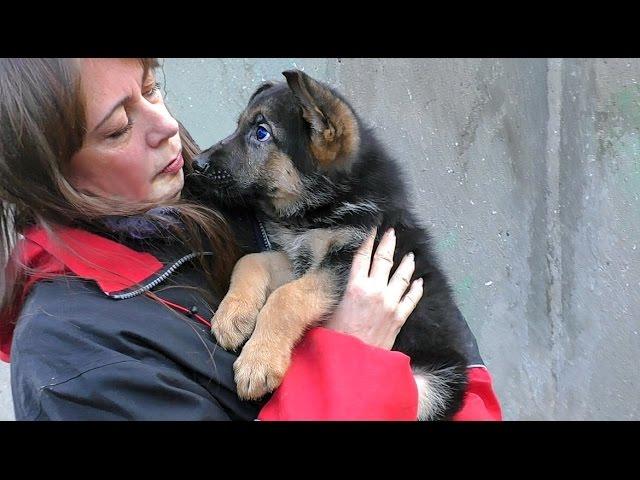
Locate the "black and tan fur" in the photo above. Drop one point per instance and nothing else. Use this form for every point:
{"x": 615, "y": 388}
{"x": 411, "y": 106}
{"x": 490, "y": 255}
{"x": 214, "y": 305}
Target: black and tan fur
{"x": 322, "y": 181}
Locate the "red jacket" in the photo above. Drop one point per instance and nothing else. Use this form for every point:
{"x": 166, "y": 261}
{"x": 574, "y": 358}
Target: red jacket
{"x": 326, "y": 379}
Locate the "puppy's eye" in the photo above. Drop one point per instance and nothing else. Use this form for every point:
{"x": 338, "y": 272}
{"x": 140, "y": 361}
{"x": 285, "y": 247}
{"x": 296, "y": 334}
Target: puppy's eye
{"x": 262, "y": 134}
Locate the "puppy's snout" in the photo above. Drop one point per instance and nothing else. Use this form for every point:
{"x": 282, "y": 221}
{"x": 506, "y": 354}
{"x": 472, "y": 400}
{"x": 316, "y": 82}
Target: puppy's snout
{"x": 201, "y": 162}
{"x": 211, "y": 157}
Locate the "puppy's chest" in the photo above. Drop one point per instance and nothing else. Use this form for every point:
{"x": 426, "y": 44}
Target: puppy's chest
{"x": 306, "y": 248}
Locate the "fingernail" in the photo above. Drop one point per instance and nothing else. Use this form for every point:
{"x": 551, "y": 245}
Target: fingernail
{"x": 410, "y": 255}
{"x": 391, "y": 231}
{"x": 420, "y": 281}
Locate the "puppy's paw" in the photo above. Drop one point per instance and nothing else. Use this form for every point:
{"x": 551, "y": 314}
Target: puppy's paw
{"x": 260, "y": 369}
{"x": 233, "y": 322}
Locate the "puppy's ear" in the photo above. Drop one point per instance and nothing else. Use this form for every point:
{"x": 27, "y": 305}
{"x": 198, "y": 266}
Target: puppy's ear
{"x": 334, "y": 128}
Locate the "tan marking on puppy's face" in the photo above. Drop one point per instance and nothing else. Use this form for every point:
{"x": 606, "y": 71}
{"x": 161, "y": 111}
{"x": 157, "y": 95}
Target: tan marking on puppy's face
{"x": 282, "y": 180}
{"x": 250, "y": 113}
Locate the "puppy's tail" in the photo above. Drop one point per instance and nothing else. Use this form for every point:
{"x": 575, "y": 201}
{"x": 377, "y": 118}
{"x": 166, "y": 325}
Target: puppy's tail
{"x": 440, "y": 390}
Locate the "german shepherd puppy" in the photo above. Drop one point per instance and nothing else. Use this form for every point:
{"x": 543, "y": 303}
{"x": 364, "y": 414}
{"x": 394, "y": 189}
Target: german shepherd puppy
{"x": 322, "y": 181}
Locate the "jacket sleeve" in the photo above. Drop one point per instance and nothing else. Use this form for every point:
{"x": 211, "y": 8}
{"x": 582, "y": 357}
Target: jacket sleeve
{"x": 334, "y": 376}
{"x": 480, "y": 400}
{"x": 128, "y": 390}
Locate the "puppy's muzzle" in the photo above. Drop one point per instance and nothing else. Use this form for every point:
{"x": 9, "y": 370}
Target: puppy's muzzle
{"x": 203, "y": 166}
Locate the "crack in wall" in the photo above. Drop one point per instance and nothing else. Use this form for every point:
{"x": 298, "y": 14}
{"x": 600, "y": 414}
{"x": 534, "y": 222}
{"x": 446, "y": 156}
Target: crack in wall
{"x": 552, "y": 192}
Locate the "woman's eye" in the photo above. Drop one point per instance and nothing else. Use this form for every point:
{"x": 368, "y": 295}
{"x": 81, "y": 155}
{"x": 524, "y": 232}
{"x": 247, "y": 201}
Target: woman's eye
{"x": 262, "y": 134}
{"x": 155, "y": 88}
{"x": 120, "y": 132}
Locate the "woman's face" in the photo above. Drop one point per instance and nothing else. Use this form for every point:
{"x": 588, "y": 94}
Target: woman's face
{"x": 131, "y": 138}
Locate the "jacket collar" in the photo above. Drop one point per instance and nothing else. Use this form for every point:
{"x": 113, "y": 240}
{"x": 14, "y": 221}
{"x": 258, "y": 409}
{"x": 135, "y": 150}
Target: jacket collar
{"x": 91, "y": 256}
{"x": 113, "y": 266}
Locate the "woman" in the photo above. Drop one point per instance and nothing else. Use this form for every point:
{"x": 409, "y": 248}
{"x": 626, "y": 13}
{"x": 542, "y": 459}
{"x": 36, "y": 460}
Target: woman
{"x": 106, "y": 299}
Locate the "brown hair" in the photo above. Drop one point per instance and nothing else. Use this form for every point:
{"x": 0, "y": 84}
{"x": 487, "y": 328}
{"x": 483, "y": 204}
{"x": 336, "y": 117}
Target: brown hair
{"x": 42, "y": 124}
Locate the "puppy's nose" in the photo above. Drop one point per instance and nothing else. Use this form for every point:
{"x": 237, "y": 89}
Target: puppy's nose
{"x": 201, "y": 162}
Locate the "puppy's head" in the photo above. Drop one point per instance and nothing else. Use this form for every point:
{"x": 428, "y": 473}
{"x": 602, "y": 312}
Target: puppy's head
{"x": 290, "y": 133}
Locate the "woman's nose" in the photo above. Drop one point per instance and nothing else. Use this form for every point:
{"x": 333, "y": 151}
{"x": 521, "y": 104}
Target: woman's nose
{"x": 163, "y": 126}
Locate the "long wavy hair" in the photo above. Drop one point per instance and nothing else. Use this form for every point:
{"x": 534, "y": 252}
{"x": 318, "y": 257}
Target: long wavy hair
{"x": 42, "y": 124}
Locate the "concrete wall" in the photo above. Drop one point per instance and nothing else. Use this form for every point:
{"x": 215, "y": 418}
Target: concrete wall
{"x": 528, "y": 173}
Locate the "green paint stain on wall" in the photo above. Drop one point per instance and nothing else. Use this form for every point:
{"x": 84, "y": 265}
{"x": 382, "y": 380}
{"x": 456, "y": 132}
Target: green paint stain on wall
{"x": 627, "y": 149}
{"x": 462, "y": 289}
{"x": 627, "y": 102}
{"x": 448, "y": 242}
{"x": 621, "y": 142}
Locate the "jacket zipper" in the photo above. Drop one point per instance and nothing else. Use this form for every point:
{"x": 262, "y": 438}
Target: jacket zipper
{"x": 160, "y": 279}
{"x": 172, "y": 268}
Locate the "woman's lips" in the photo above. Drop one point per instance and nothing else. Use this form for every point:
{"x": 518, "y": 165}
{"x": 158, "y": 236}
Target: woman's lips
{"x": 174, "y": 166}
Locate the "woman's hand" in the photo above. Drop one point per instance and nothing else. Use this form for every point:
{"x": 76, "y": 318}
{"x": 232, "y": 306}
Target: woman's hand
{"x": 374, "y": 308}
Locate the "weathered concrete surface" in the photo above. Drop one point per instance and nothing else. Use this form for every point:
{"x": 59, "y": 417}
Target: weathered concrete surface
{"x": 528, "y": 174}
{"x": 6, "y": 406}
{"x": 599, "y": 342}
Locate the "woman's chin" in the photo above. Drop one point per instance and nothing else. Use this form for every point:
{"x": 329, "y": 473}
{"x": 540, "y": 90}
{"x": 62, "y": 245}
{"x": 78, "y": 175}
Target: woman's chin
{"x": 169, "y": 191}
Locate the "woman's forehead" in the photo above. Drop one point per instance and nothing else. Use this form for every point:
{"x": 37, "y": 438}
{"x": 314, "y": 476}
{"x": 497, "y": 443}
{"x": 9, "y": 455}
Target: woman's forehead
{"x": 105, "y": 82}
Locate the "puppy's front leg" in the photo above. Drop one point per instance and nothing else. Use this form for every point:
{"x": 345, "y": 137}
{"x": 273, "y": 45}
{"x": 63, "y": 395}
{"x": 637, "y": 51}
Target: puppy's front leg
{"x": 254, "y": 277}
{"x": 288, "y": 313}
